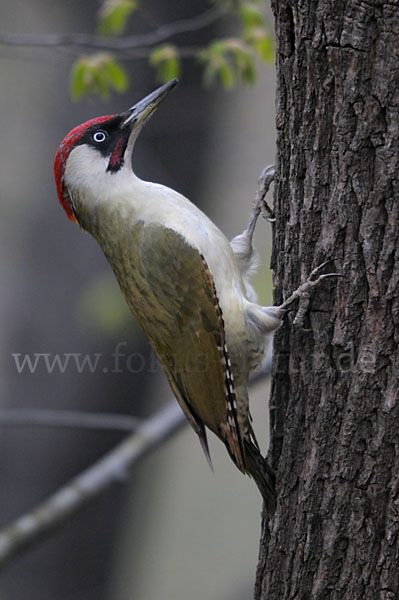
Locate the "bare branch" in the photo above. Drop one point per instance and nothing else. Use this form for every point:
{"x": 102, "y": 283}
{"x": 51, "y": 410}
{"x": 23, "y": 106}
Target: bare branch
{"x": 66, "y": 418}
{"x": 113, "y": 467}
{"x": 117, "y": 44}
{"x": 70, "y": 419}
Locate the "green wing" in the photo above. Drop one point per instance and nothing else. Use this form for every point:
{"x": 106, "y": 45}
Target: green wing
{"x": 171, "y": 292}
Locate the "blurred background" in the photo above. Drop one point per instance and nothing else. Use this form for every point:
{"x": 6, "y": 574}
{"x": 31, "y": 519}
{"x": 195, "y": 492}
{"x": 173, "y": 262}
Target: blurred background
{"x": 173, "y": 529}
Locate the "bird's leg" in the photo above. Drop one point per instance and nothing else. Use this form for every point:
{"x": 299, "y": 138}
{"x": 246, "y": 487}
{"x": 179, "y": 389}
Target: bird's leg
{"x": 260, "y": 205}
{"x": 242, "y": 244}
{"x": 303, "y": 293}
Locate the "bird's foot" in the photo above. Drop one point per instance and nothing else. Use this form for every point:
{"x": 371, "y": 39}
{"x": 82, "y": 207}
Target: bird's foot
{"x": 264, "y": 182}
{"x": 303, "y": 294}
{"x": 242, "y": 244}
{"x": 260, "y": 205}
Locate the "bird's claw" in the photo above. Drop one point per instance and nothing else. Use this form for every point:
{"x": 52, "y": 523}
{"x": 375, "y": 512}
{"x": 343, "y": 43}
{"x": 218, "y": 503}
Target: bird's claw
{"x": 265, "y": 180}
{"x": 303, "y": 293}
{"x": 321, "y": 277}
{"x": 260, "y": 205}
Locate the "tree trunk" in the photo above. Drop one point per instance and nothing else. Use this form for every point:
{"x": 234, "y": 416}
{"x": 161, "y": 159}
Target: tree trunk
{"x": 334, "y": 402}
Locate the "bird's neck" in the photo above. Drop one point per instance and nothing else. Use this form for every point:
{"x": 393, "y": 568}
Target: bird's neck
{"x": 109, "y": 200}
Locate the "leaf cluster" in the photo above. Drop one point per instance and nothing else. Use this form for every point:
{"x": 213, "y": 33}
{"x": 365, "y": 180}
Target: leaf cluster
{"x": 98, "y": 74}
{"x": 229, "y": 61}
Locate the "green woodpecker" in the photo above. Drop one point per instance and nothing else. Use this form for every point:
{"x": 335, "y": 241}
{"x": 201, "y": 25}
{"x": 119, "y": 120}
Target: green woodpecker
{"x": 184, "y": 282}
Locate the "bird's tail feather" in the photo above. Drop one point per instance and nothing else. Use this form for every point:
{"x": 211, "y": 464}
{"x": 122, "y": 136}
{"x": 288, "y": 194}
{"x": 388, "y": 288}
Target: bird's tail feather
{"x": 264, "y": 477}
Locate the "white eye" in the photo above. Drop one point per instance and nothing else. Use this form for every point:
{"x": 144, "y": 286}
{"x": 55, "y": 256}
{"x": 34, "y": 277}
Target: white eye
{"x": 99, "y": 136}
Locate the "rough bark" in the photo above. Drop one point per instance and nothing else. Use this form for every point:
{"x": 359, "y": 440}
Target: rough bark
{"x": 335, "y": 392}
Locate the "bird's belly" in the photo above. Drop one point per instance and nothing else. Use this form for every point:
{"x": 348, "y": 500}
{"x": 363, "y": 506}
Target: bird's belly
{"x": 173, "y": 211}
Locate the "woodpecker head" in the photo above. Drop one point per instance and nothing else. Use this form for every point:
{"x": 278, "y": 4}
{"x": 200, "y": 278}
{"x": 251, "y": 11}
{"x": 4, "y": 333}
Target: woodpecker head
{"x": 100, "y": 148}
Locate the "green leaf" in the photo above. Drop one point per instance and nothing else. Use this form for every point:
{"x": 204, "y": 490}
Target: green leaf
{"x": 113, "y": 16}
{"x": 251, "y": 15}
{"x": 97, "y": 75}
{"x": 264, "y": 47}
{"x": 166, "y": 61}
{"x": 77, "y": 79}
{"x": 217, "y": 65}
{"x": 212, "y": 59}
{"x": 98, "y": 82}
{"x": 230, "y": 61}
{"x": 115, "y": 75}
{"x": 242, "y": 58}
{"x": 226, "y": 76}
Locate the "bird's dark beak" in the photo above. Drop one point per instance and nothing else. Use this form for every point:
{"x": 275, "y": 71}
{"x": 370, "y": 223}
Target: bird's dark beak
{"x": 140, "y": 112}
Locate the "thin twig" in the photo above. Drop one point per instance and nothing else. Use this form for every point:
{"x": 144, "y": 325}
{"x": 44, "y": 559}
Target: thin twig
{"x": 66, "y": 418}
{"x": 83, "y": 40}
{"x": 110, "y": 469}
